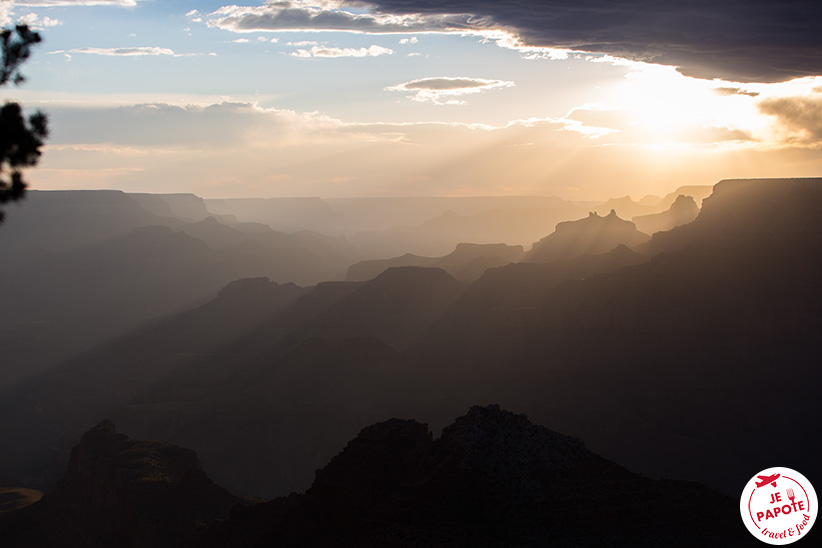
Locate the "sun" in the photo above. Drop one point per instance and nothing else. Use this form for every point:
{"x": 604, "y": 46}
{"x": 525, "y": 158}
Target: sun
{"x": 665, "y": 108}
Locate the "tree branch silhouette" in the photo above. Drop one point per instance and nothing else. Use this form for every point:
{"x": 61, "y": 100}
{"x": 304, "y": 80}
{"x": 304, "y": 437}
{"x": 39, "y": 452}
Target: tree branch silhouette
{"x": 20, "y": 137}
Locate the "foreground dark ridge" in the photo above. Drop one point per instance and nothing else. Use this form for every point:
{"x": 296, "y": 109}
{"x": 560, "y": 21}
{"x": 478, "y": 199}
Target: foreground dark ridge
{"x": 492, "y": 479}
{"x": 121, "y": 492}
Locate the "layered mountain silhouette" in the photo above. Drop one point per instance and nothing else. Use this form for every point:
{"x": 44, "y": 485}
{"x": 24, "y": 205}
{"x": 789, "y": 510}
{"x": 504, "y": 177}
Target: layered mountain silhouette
{"x": 442, "y": 233}
{"x": 681, "y": 349}
{"x": 674, "y": 358}
{"x": 491, "y": 479}
{"x": 259, "y": 351}
{"x": 467, "y": 262}
{"x": 57, "y": 221}
{"x": 627, "y": 208}
{"x": 349, "y": 216}
{"x": 87, "y": 265}
{"x": 591, "y": 235}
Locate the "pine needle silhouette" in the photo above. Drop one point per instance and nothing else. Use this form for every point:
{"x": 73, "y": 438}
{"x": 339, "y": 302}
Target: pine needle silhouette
{"x": 20, "y": 137}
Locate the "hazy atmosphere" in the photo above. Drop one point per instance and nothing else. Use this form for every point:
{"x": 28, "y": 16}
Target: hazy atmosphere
{"x": 403, "y": 273}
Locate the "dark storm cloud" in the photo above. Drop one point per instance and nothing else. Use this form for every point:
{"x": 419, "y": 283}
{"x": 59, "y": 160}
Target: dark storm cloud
{"x": 738, "y": 40}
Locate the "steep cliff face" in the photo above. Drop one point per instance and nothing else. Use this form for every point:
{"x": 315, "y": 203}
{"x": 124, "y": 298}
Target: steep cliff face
{"x": 682, "y": 211}
{"x": 750, "y": 212}
{"x": 123, "y": 492}
{"x": 492, "y": 479}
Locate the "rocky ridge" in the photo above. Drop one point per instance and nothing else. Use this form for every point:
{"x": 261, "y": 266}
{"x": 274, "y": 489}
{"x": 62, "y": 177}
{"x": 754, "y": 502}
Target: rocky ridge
{"x": 591, "y": 235}
{"x": 491, "y": 479}
{"x": 121, "y": 492}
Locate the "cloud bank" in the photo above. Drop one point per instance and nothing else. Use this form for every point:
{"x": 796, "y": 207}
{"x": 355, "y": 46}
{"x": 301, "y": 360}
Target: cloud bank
{"x": 325, "y": 16}
{"x": 735, "y": 40}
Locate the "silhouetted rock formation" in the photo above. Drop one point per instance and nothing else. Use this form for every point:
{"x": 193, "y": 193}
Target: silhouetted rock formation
{"x": 749, "y": 212}
{"x": 673, "y": 350}
{"x": 682, "y": 211}
{"x": 122, "y": 492}
{"x": 467, "y": 262}
{"x": 525, "y": 220}
{"x": 625, "y": 207}
{"x": 697, "y": 192}
{"x": 662, "y": 364}
{"x": 492, "y": 479}
{"x": 591, "y": 235}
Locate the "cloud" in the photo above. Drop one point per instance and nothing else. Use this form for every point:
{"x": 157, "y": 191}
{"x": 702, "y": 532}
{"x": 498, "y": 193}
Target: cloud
{"x": 189, "y": 126}
{"x": 326, "y": 16}
{"x": 797, "y": 118}
{"x": 735, "y": 40}
{"x": 65, "y": 3}
{"x": 594, "y": 121}
{"x": 451, "y": 84}
{"x": 412, "y": 40}
{"x": 138, "y": 51}
{"x": 194, "y": 15}
{"x": 717, "y": 134}
{"x": 33, "y": 21}
{"x": 324, "y": 51}
{"x": 619, "y": 126}
{"x": 7, "y": 9}
{"x": 443, "y": 90}
{"x": 727, "y": 91}
{"x": 5, "y": 14}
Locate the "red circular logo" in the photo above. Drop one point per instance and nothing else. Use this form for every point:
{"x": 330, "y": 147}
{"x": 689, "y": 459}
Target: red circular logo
{"x": 778, "y": 506}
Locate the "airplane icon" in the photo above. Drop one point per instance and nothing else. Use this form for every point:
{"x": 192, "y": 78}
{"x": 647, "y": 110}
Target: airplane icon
{"x": 765, "y": 480}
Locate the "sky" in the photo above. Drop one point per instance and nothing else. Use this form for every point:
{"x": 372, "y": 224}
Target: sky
{"x": 582, "y": 100}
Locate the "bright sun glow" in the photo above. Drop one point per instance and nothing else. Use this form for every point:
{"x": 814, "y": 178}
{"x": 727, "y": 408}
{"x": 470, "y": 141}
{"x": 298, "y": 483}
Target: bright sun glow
{"x": 667, "y": 107}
